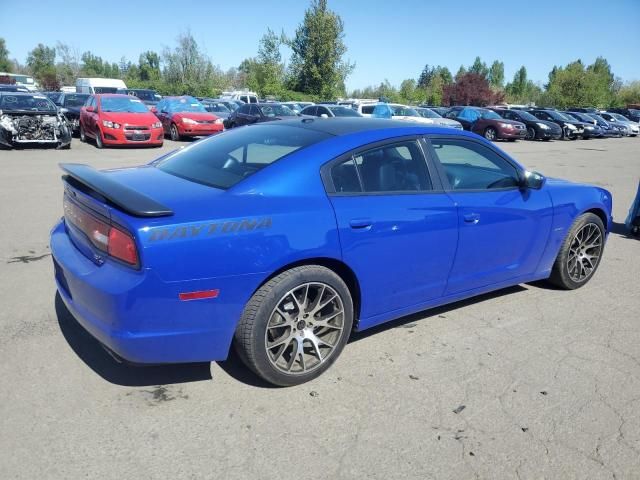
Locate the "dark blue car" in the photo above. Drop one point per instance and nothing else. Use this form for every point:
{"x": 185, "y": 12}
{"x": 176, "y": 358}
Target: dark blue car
{"x": 281, "y": 238}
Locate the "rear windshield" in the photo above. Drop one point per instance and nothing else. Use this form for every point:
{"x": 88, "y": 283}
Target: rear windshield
{"x": 226, "y": 159}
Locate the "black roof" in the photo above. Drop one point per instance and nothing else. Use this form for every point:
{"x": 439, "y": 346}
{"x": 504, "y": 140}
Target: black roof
{"x": 344, "y": 125}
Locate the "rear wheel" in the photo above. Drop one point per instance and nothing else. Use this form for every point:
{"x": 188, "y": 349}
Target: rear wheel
{"x": 491, "y": 134}
{"x": 580, "y": 253}
{"x": 296, "y": 325}
{"x": 173, "y": 131}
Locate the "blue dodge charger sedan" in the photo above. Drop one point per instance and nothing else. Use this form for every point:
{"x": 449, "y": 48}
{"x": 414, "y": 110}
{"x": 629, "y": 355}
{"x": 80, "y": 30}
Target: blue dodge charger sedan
{"x": 283, "y": 238}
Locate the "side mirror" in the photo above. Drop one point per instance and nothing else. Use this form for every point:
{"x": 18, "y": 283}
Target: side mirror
{"x": 153, "y": 110}
{"x": 532, "y": 180}
{"x": 90, "y": 108}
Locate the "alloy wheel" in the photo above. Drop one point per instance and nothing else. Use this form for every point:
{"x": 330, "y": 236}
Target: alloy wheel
{"x": 490, "y": 134}
{"x": 531, "y": 133}
{"x": 304, "y": 328}
{"x": 584, "y": 252}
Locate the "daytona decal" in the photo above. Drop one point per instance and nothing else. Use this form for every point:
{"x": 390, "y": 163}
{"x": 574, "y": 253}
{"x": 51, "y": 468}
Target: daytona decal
{"x": 207, "y": 229}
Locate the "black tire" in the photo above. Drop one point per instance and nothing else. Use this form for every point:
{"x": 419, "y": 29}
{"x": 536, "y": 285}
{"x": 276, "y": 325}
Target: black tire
{"x": 83, "y": 136}
{"x": 173, "y": 133}
{"x": 99, "y": 142}
{"x": 531, "y": 133}
{"x": 546, "y": 139}
{"x": 491, "y": 134}
{"x": 250, "y": 336}
{"x": 560, "y": 276}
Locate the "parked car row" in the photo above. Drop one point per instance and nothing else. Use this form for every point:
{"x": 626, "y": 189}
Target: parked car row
{"x": 140, "y": 117}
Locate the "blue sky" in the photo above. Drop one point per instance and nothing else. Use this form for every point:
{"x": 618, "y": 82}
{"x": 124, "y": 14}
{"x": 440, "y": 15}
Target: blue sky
{"x": 386, "y": 39}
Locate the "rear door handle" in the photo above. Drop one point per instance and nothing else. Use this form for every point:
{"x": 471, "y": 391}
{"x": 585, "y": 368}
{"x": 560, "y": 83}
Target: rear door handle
{"x": 360, "y": 223}
{"x": 472, "y": 218}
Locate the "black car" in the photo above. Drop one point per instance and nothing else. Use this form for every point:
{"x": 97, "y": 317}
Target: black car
{"x": 149, "y": 97}
{"x": 31, "y": 119}
{"x": 259, "y": 112}
{"x": 632, "y": 114}
{"x": 591, "y": 127}
{"x": 70, "y": 105}
{"x": 571, "y": 128}
{"x": 536, "y": 129}
{"x": 328, "y": 111}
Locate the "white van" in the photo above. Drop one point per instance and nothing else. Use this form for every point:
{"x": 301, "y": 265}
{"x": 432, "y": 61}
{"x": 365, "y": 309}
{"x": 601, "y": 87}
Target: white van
{"x": 99, "y": 85}
{"x": 243, "y": 96}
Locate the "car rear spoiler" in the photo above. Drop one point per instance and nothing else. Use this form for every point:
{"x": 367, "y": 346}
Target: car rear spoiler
{"x": 123, "y": 197}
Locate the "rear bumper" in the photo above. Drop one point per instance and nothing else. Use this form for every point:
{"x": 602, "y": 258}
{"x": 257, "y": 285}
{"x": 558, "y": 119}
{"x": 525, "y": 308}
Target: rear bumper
{"x": 138, "y": 316}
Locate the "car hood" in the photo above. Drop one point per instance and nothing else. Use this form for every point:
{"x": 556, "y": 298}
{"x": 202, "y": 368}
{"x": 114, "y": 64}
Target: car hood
{"x": 195, "y": 115}
{"x": 128, "y": 118}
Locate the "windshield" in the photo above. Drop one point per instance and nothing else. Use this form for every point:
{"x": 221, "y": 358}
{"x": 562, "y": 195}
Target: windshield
{"x": 490, "y": 114}
{"x": 75, "y": 100}
{"x": 558, "y": 116}
{"x": 226, "y": 159}
{"x": 216, "y": 107}
{"x": 276, "y": 110}
{"x": 344, "y": 112}
{"x": 580, "y": 116}
{"x": 105, "y": 89}
{"x": 185, "y": 104}
{"x": 122, "y": 104}
{"x": 526, "y": 116}
{"x": 36, "y": 103}
{"x": 426, "y": 113}
{"x": 148, "y": 95}
{"x": 401, "y": 111}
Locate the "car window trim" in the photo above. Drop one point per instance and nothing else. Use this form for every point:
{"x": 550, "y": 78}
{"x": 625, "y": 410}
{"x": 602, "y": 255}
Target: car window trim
{"x": 443, "y": 175}
{"x": 327, "y": 179}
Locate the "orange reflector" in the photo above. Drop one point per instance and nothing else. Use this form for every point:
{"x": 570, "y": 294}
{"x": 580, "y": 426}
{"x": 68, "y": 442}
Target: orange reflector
{"x": 186, "y": 296}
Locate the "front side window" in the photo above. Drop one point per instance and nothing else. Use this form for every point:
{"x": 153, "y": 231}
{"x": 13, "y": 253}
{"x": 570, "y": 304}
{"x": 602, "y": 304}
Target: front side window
{"x": 399, "y": 167}
{"x": 471, "y": 166}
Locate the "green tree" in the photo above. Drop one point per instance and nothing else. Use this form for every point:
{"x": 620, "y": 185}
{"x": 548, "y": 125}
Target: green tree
{"x": 426, "y": 76}
{"x": 577, "y": 85}
{"x": 5, "y": 63}
{"x": 68, "y": 67}
{"x": 461, "y": 72}
{"x": 629, "y": 94}
{"x": 480, "y": 68}
{"x": 270, "y": 72}
{"x": 149, "y": 66}
{"x": 408, "y": 91}
{"x": 317, "y": 66}
{"x": 187, "y": 70}
{"x": 496, "y": 74}
{"x": 41, "y": 61}
{"x": 445, "y": 74}
{"x": 92, "y": 65}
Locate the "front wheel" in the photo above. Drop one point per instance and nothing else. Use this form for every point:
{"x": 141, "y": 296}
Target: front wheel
{"x": 490, "y": 134}
{"x": 99, "y": 142}
{"x": 175, "y": 135}
{"x": 83, "y": 136}
{"x": 295, "y": 326}
{"x": 580, "y": 253}
{"x": 531, "y": 133}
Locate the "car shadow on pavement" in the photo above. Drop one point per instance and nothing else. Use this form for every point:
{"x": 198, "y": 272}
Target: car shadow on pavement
{"x": 437, "y": 311}
{"x": 621, "y": 230}
{"x": 90, "y": 351}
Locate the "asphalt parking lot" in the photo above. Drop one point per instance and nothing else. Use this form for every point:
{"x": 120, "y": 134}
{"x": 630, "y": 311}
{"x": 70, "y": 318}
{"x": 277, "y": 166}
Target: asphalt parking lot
{"x": 528, "y": 382}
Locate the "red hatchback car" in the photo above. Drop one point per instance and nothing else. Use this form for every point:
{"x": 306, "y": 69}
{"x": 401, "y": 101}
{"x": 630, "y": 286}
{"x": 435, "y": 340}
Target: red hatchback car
{"x": 113, "y": 119}
{"x": 186, "y": 117}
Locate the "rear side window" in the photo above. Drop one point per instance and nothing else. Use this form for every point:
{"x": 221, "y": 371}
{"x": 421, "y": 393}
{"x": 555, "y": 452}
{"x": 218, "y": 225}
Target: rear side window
{"x": 226, "y": 159}
{"x": 368, "y": 109}
{"x": 399, "y": 167}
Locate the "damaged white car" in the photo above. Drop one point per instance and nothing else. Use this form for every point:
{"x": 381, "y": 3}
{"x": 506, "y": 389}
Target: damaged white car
{"x": 29, "y": 119}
